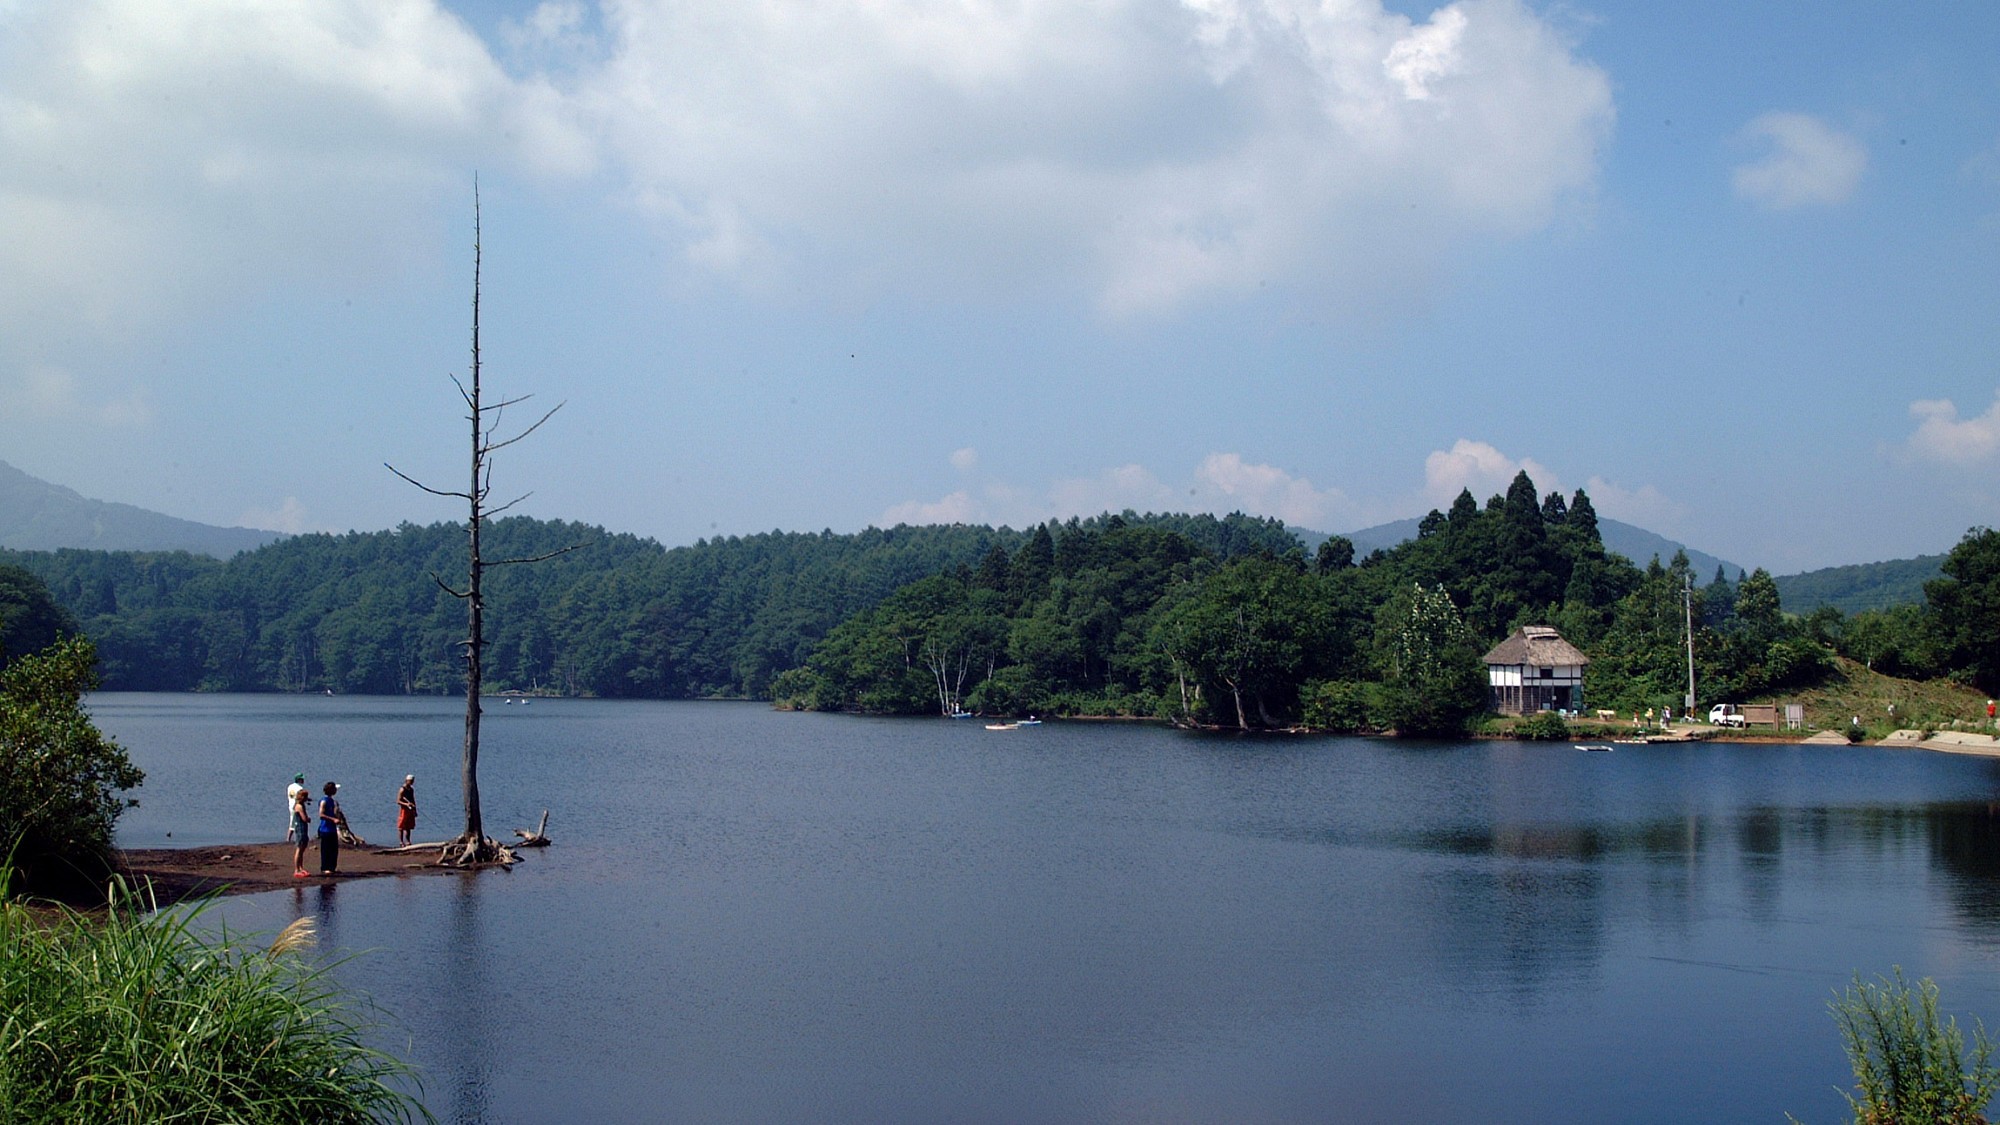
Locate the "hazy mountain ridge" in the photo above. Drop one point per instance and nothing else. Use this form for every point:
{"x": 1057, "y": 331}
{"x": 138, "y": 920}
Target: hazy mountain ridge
{"x": 1635, "y": 543}
{"x": 38, "y": 516}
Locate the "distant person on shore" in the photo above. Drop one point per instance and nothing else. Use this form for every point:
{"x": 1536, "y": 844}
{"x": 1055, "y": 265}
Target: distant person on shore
{"x": 292, "y": 793}
{"x": 301, "y": 828}
{"x": 331, "y": 821}
{"x": 406, "y": 809}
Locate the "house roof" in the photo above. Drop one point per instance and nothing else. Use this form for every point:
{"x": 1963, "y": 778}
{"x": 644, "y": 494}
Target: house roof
{"x": 1536, "y": 645}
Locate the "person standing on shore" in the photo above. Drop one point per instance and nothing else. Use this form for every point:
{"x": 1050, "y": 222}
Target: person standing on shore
{"x": 331, "y": 821}
{"x": 302, "y": 828}
{"x": 292, "y": 794}
{"x": 406, "y": 809}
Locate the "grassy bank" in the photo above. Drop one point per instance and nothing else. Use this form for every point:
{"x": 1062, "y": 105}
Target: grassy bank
{"x": 1855, "y": 691}
{"x": 129, "y": 1016}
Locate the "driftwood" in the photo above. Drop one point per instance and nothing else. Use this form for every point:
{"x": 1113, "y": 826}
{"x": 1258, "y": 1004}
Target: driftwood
{"x": 350, "y": 838}
{"x": 479, "y": 851}
{"x": 405, "y": 849}
{"x": 538, "y": 838}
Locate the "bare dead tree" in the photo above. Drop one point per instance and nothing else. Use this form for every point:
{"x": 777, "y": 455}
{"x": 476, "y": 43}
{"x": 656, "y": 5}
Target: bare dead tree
{"x": 474, "y": 846}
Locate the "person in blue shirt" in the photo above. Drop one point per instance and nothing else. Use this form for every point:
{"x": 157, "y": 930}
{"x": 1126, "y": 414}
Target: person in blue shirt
{"x": 331, "y": 821}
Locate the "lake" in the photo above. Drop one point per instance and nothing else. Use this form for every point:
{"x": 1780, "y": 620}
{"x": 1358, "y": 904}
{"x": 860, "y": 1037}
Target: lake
{"x": 752, "y": 916}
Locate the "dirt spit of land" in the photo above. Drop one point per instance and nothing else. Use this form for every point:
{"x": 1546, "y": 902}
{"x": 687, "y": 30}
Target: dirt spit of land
{"x": 235, "y": 869}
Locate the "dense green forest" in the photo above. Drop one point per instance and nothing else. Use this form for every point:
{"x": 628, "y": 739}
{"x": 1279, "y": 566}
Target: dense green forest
{"x": 1121, "y": 619}
{"x": 1200, "y": 619}
{"x": 1865, "y": 586}
{"x": 621, "y": 616}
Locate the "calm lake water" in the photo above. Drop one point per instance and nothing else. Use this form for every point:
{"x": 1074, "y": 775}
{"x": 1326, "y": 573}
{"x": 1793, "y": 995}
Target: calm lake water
{"x": 751, "y": 916}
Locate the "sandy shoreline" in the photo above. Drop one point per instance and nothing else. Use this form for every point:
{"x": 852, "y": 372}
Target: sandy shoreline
{"x": 238, "y": 869}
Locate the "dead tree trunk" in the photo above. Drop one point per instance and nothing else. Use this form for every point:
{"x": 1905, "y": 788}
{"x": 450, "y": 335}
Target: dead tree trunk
{"x": 474, "y": 846}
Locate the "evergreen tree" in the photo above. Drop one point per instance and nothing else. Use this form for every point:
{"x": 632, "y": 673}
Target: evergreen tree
{"x": 1034, "y": 566}
{"x": 1964, "y": 608}
{"x": 1583, "y": 518}
{"x": 1337, "y": 553}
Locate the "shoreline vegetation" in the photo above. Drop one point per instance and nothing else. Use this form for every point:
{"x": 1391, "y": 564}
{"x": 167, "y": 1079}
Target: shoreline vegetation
{"x": 1201, "y": 620}
{"x": 132, "y": 1012}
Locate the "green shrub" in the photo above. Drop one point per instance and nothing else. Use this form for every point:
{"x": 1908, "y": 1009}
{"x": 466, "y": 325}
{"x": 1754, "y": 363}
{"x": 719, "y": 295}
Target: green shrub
{"x": 1343, "y": 706}
{"x": 60, "y": 777}
{"x": 1543, "y": 726}
{"x": 135, "y": 1017}
{"x": 1910, "y": 1067}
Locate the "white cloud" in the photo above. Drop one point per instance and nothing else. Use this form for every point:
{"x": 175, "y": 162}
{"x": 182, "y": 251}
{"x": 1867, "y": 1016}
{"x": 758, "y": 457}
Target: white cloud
{"x": 1144, "y": 153}
{"x": 288, "y": 517}
{"x": 1157, "y": 151}
{"x": 1478, "y": 466}
{"x": 1266, "y": 490}
{"x": 1646, "y": 505}
{"x": 1942, "y": 436}
{"x": 1809, "y": 162}
{"x": 958, "y": 507}
{"x": 1113, "y": 490}
{"x": 53, "y": 394}
{"x": 154, "y": 154}
{"x": 964, "y": 460}
{"x": 1220, "y": 483}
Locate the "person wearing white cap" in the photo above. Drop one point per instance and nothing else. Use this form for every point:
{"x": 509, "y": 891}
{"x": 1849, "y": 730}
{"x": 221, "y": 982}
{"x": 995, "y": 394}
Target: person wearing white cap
{"x": 331, "y": 821}
{"x": 406, "y": 809}
{"x": 292, "y": 792}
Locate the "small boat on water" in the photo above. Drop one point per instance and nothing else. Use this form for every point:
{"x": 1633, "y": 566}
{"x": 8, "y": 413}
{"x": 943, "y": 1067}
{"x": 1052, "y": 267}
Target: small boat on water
{"x": 960, "y": 715}
{"x": 1003, "y": 726}
{"x": 1030, "y": 721}
{"x": 1596, "y": 747}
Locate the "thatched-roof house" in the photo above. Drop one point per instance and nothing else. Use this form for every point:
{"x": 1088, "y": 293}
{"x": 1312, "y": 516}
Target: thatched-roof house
{"x": 1535, "y": 670}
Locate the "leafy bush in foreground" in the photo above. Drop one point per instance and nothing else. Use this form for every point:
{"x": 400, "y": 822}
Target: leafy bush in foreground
{"x": 130, "y": 1017}
{"x": 60, "y": 777}
{"x": 1910, "y": 1068}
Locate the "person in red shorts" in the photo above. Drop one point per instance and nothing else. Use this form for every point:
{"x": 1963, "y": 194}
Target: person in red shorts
{"x": 406, "y": 808}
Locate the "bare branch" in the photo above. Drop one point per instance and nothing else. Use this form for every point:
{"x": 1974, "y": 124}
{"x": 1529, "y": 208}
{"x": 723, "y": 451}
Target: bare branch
{"x": 462, "y": 392}
{"x": 422, "y": 485}
{"x": 491, "y": 512}
{"x": 539, "y": 558}
{"x": 529, "y": 430}
{"x": 446, "y": 587}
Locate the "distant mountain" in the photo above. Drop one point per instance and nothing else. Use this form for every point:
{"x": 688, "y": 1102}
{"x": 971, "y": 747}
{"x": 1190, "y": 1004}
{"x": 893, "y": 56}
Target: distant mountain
{"x": 1851, "y": 589}
{"x": 38, "y": 516}
{"x": 1635, "y": 543}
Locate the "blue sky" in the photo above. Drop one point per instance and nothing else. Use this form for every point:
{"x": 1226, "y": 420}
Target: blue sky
{"x": 1734, "y": 268}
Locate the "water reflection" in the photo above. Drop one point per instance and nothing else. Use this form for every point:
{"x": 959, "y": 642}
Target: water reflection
{"x": 466, "y": 1017}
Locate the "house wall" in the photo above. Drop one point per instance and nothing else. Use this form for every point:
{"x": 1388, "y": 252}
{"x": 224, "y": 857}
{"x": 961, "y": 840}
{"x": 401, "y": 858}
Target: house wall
{"x": 1515, "y": 689}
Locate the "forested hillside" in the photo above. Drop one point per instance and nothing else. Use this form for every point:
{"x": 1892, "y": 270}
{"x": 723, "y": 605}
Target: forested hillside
{"x": 1192, "y": 618}
{"x": 1852, "y": 589}
{"x": 1120, "y": 620}
{"x": 621, "y": 616}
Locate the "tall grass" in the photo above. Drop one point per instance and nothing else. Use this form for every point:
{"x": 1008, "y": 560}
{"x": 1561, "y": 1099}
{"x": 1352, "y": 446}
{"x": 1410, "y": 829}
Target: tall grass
{"x": 1911, "y": 1066}
{"x": 134, "y": 1016}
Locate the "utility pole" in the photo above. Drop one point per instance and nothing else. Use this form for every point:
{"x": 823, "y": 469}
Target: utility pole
{"x": 1687, "y": 609}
